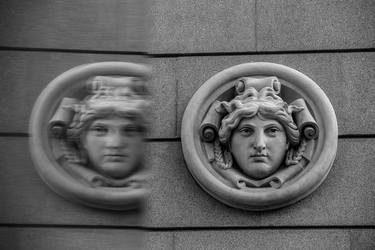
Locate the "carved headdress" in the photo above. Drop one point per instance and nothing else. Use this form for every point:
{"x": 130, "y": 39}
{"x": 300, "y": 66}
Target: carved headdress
{"x": 258, "y": 97}
{"x": 124, "y": 97}
{"x": 120, "y": 96}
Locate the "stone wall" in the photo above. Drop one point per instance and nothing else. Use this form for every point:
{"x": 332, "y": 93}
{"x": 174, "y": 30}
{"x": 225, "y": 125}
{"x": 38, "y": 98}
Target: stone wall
{"x": 333, "y": 42}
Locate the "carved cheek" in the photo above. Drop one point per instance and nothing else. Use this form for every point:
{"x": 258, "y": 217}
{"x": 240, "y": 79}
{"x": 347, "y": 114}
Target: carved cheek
{"x": 236, "y": 144}
{"x": 95, "y": 149}
{"x": 239, "y": 147}
{"x": 277, "y": 149}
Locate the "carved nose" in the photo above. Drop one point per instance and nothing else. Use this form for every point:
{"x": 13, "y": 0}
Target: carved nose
{"x": 259, "y": 144}
{"x": 114, "y": 141}
{"x": 259, "y": 148}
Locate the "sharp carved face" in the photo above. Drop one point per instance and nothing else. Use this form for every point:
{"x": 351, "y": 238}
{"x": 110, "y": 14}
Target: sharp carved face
{"x": 114, "y": 146}
{"x": 259, "y": 146}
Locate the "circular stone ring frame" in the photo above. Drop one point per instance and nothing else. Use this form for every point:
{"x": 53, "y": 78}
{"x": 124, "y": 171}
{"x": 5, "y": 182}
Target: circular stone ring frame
{"x": 72, "y": 81}
{"x": 257, "y": 199}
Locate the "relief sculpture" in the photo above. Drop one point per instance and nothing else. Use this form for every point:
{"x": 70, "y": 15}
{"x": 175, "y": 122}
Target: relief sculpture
{"x": 256, "y": 135}
{"x": 100, "y": 138}
{"x": 259, "y": 136}
{"x": 88, "y": 129}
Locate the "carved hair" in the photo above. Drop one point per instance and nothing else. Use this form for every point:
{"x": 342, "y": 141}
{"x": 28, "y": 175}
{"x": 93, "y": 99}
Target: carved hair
{"x": 266, "y": 105}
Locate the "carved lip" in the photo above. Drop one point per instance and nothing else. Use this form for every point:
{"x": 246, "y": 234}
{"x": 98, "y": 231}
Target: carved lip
{"x": 259, "y": 157}
{"x": 115, "y": 157}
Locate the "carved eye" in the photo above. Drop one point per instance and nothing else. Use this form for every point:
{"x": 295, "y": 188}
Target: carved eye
{"x": 130, "y": 130}
{"x": 246, "y": 131}
{"x": 272, "y": 131}
{"x": 99, "y": 130}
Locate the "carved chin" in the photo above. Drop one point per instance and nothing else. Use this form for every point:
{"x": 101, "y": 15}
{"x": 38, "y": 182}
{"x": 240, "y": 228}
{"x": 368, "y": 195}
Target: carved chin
{"x": 116, "y": 170}
{"x": 258, "y": 170}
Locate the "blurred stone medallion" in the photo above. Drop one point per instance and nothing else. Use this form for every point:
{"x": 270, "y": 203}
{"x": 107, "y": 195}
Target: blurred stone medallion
{"x": 259, "y": 136}
{"x": 87, "y": 132}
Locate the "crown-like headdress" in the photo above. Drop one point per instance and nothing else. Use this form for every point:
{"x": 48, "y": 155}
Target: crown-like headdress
{"x": 257, "y": 95}
{"x": 123, "y": 95}
{"x": 253, "y": 90}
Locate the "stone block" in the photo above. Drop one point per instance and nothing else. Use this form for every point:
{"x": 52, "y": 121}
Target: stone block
{"x": 362, "y": 239}
{"x": 83, "y": 25}
{"x": 315, "y": 25}
{"x": 164, "y": 97}
{"x": 160, "y": 240}
{"x": 202, "y": 26}
{"x": 23, "y": 238}
{"x": 263, "y": 239}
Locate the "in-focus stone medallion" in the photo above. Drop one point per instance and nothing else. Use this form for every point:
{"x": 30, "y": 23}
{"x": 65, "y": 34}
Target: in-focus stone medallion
{"x": 259, "y": 136}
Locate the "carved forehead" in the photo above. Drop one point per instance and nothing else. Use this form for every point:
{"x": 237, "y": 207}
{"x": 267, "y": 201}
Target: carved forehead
{"x": 114, "y": 121}
{"x": 257, "y": 121}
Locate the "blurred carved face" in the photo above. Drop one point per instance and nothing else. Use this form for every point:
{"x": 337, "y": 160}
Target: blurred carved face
{"x": 259, "y": 146}
{"x": 114, "y": 146}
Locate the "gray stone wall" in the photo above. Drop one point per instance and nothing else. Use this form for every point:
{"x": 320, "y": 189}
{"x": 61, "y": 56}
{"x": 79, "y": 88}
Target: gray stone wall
{"x": 333, "y": 42}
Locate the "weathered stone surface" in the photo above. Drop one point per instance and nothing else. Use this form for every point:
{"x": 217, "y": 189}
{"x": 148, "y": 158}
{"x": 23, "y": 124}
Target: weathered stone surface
{"x": 235, "y": 26}
{"x": 346, "y": 78}
{"x": 88, "y": 25}
{"x": 362, "y": 239}
{"x": 164, "y": 96}
{"x": 315, "y": 25}
{"x": 263, "y": 239}
{"x": 267, "y": 239}
{"x": 188, "y": 27}
{"x": 202, "y": 26}
{"x": 346, "y": 197}
{"x": 276, "y": 239}
{"x": 159, "y": 241}
{"x": 25, "y": 74}
{"x": 70, "y": 238}
{"x": 76, "y": 238}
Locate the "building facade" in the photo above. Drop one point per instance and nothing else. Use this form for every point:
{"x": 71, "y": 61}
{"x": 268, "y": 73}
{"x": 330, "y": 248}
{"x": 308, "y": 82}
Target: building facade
{"x": 187, "y": 42}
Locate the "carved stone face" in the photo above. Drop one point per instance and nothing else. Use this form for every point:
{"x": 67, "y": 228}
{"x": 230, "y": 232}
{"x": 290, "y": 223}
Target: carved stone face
{"x": 259, "y": 146}
{"x": 114, "y": 146}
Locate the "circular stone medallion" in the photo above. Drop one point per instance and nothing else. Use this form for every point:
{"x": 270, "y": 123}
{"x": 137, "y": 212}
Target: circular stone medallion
{"x": 61, "y": 124}
{"x": 259, "y": 136}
